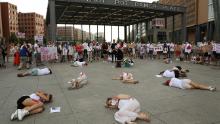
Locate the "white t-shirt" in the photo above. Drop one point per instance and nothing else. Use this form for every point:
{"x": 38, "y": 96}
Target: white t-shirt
{"x": 44, "y": 71}
{"x": 78, "y": 63}
{"x": 188, "y": 46}
{"x": 178, "y": 83}
{"x": 169, "y": 74}
{"x": 127, "y": 76}
{"x": 34, "y": 96}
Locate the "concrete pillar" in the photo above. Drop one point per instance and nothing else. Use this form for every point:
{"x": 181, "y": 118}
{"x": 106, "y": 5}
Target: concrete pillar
{"x": 184, "y": 32}
{"x": 97, "y": 33}
{"x": 118, "y": 33}
{"x": 73, "y": 33}
{"x": 146, "y": 29}
{"x": 52, "y": 20}
{"x": 133, "y": 39}
{"x": 111, "y": 33}
{"x": 173, "y": 28}
{"x": 90, "y": 33}
{"x": 65, "y": 34}
{"x": 136, "y": 37}
{"x": 198, "y": 34}
{"x": 104, "y": 32}
{"x": 82, "y": 32}
{"x": 129, "y": 33}
{"x": 125, "y": 34}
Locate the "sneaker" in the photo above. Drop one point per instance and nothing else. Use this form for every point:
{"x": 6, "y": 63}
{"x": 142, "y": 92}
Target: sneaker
{"x": 22, "y": 113}
{"x": 14, "y": 115}
{"x": 212, "y": 88}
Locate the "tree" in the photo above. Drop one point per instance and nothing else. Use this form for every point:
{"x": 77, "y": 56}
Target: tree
{"x": 13, "y": 38}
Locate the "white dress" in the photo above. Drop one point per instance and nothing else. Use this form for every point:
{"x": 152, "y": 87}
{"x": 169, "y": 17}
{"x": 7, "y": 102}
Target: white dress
{"x": 128, "y": 110}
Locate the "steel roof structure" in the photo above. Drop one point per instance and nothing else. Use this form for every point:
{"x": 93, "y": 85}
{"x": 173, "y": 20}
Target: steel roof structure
{"x": 106, "y": 12}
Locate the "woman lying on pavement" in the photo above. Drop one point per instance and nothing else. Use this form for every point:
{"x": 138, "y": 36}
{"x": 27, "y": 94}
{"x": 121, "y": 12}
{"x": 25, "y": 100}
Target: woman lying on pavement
{"x": 32, "y": 104}
{"x": 128, "y": 109}
{"x": 79, "y": 82}
{"x": 187, "y": 84}
{"x": 36, "y": 72}
{"x": 126, "y": 78}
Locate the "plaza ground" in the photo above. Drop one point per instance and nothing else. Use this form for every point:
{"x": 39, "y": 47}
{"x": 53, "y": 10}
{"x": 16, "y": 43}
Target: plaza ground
{"x": 86, "y": 106}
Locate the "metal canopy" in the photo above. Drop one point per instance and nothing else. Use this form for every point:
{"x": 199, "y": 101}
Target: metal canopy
{"x": 109, "y": 12}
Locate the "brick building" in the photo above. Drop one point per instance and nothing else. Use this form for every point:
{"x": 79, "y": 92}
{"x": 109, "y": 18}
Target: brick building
{"x": 197, "y": 20}
{"x": 9, "y": 20}
{"x": 32, "y": 24}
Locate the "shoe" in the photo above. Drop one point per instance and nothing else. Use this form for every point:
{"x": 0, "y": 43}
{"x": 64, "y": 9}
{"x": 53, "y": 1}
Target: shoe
{"x": 212, "y": 88}
{"x": 14, "y": 115}
{"x": 22, "y": 113}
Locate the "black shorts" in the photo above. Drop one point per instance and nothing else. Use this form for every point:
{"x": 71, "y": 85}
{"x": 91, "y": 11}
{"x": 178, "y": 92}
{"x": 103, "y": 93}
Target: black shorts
{"x": 20, "y": 102}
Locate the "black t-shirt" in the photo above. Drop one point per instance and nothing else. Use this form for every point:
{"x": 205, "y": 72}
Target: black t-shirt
{"x": 113, "y": 46}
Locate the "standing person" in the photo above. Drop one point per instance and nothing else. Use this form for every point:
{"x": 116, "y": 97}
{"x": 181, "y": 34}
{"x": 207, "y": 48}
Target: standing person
{"x": 16, "y": 57}
{"x": 187, "y": 50}
{"x": 128, "y": 109}
{"x": 120, "y": 57}
{"x": 37, "y": 53}
{"x": 89, "y": 52}
{"x": 105, "y": 51}
{"x": 85, "y": 51}
{"x": 113, "y": 53}
{"x": 2, "y": 64}
{"x": 23, "y": 55}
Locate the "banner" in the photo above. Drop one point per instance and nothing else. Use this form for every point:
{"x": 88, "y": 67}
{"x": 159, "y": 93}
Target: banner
{"x": 48, "y": 53}
{"x": 39, "y": 38}
{"x": 217, "y": 48}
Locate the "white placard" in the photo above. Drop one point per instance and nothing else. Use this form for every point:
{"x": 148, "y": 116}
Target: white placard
{"x": 48, "y": 53}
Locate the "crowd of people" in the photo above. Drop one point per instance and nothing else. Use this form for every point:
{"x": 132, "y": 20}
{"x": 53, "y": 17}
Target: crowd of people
{"x": 122, "y": 54}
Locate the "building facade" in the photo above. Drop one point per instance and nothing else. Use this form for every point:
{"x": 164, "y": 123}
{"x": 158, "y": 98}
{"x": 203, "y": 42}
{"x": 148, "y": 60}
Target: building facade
{"x": 9, "y": 20}
{"x": 1, "y": 31}
{"x": 65, "y": 33}
{"x": 32, "y": 24}
{"x": 196, "y": 19}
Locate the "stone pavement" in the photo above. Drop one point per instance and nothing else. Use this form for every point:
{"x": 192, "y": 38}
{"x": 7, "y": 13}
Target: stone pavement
{"x": 86, "y": 106}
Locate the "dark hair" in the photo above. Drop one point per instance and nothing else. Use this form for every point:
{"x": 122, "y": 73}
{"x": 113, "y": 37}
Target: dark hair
{"x": 50, "y": 97}
{"x": 166, "y": 83}
{"x": 177, "y": 74}
{"x": 179, "y": 67}
{"x": 108, "y": 100}
{"x": 50, "y": 71}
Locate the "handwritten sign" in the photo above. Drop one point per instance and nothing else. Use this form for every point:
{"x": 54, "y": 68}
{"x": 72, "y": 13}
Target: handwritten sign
{"x": 48, "y": 53}
{"x": 218, "y": 48}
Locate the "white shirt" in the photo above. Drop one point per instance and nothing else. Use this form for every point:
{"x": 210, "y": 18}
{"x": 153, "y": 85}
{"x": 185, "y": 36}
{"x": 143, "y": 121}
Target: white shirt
{"x": 169, "y": 74}
{"x": 188, "y": 50}
{"x": 44, "y": 71}
{"x": 174, "y": 82}
{"x": 34, "y": 96}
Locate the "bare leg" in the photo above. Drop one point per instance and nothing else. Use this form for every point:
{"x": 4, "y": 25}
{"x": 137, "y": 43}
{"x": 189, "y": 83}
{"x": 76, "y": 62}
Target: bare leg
{"x": 199, "y": 86}
{"x": 35, "y": 111}
{"x": 143, "y": 116}
{"x": 32, "y": 105}
{"x": 130, "y": 81}
{"x": 116, "y": 78}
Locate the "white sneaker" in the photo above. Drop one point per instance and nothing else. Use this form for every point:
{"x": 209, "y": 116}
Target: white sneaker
{"x": 212, "y": 88}
{"x": 22, "y": 113}
{"x": 14, "y": 115}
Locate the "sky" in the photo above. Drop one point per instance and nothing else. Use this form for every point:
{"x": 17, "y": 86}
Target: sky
{"x": 40, "y": 7}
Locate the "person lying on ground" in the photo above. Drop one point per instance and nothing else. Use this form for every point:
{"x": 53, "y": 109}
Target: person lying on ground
{"x": 32, "y": 104}
{"x": 79, "y": 82}
{"x": 187, "y": 84}
{"x": 36, "y": 72}
{"x": 176, "y": 72}
{"x": 79, "y": 64}
{"x": 126, "y": 78}
{"x": 128, "y": 109}
{"x": 128, "y": 62}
